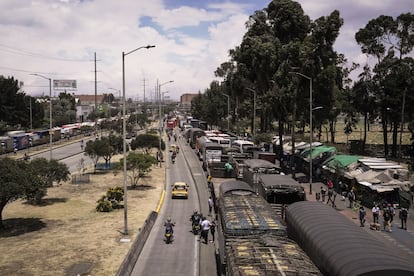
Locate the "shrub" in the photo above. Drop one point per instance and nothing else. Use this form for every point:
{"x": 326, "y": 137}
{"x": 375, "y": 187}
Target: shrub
{"x": 111, "y": 201}
{"x": 104, "y": 205}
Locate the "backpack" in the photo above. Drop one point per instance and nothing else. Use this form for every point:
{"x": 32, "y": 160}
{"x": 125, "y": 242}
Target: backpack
{"x": 387, "y": 215}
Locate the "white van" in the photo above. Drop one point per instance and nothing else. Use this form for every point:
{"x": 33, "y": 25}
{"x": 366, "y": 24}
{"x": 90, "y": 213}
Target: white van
{"x": 225, "y": 142}
{"x": 242, "y": 145}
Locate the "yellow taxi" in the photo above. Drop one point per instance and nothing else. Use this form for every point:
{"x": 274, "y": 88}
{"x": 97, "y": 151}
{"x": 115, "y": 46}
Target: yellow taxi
{"x": 172, "y": 148}
{"x": 179, "y": 190}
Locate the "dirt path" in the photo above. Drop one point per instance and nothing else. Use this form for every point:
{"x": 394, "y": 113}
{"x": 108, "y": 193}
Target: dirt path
{"x": 66, "y": 233}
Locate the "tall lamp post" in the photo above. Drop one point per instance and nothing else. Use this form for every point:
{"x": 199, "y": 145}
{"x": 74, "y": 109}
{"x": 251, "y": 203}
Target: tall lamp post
{"x": 254, "y": 112}
{"x": 124, "y": 133}
{"x": 159, "y": 94}
{"x": 310, "y": 125}
{"x": 50, "y": 114}
{"x": 228, "y": 111}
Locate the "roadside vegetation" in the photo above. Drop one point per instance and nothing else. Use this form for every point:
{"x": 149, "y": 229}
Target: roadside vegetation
{"x": 285, "y": 57}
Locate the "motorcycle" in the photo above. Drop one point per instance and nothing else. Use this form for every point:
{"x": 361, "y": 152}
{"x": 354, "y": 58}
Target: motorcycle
{"x": 195, "y": 223}
{"x": 196, "y": 228}
{"x": 169, "y": 237}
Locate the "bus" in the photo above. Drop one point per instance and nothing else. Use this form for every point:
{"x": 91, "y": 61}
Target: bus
{"x": 225, "y": 142}
{"x": 242, "y": 145}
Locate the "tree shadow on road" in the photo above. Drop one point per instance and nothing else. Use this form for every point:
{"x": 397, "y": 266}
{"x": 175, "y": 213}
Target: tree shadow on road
{"x": 20, "y": 226}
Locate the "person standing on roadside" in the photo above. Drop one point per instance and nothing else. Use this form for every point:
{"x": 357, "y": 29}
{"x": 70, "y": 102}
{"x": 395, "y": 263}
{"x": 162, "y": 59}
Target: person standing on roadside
{"x": 329, "y": 183}
{"x": 351, "y": 197}
{"x": 375, "y": 213}
{"x": 210, "y": 205}
{"x": 330, "y": 195}
{"x": 213, "y": 229}
{"x": 403, "y": 217}
{"x": 205, "y": 228}
{"x": 386, "y": 216}
{"x": 323, "y": 193}
{"x": 362, "y": 214}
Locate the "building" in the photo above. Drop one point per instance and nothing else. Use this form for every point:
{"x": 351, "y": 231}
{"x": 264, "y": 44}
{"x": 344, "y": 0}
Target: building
{"x": 85, "y": 105}
{"x": 185, "y": 100}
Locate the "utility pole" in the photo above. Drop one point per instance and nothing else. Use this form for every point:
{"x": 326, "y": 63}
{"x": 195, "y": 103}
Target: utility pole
{"x": 144, "y": 88}
{"x": 96, "y": 87}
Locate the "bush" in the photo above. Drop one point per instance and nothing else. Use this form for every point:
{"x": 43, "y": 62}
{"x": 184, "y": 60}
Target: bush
{"x": 111, "y": 201}
{"x": 104, "y": 205}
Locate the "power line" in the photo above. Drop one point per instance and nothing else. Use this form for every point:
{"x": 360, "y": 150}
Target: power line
{"x": 36, "y": 55}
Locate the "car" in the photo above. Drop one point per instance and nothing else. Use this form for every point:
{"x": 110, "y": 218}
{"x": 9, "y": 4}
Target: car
{"x": 173, "y": 148}
{"x": 179, "y": 190}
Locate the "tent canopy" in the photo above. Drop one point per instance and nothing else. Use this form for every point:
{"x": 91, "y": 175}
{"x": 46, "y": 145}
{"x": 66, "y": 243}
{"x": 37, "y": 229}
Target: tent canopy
{"x": 340, "y": 161}
{"x": 316, "y": 151}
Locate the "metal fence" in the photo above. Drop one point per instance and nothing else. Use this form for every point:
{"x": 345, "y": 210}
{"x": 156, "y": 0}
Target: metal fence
{"x": 80, "y": 179}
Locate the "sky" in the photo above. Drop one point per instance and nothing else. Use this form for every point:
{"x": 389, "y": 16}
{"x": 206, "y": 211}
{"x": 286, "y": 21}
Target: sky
{"x": 58, "y": 39}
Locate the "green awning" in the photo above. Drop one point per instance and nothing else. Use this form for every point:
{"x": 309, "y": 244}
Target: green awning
{"x": 340, "y": 161}
{"x": 316, "y": 151}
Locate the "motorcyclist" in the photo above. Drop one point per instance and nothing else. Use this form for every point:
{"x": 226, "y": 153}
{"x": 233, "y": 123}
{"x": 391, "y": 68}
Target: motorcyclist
{"x": 169, "y": 226}
{"x": 173, "y": 156}
{"x": 195, "y": 218}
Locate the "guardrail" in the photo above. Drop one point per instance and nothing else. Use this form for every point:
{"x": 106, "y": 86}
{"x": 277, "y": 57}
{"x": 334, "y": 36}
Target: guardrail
{"x": 129, "y": 262}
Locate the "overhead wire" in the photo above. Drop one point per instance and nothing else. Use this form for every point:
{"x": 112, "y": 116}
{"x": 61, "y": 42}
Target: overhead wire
{"x": 36, "y": 55}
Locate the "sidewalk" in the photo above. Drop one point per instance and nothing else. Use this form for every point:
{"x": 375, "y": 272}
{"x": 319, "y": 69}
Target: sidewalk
{"x": 343, "y": 207}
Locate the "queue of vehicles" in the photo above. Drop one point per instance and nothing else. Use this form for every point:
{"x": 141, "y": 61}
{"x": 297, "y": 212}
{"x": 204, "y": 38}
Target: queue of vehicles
{"x": 19, "y": 139}
{"x": 254, "y": 241}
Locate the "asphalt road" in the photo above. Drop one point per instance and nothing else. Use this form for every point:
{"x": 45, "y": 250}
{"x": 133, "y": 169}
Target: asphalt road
{"x": 181, "y": 257}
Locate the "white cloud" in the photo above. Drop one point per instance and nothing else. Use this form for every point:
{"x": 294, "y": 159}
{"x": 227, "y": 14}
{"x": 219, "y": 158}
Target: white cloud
{"x": 191, "y": 42}
{"x": 76, "y": 30}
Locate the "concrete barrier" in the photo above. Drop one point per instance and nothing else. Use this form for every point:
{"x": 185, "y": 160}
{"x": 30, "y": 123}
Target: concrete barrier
{"x": 129, "y": 262}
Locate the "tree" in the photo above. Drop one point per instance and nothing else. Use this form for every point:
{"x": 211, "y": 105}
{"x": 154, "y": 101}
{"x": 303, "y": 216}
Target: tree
{"x": 19, "y": 179}
{"x": 14, "y": 181}
{"x": 138, "y": 164}
{"x": 145, "y": 142}
{"x": 106, "y": 147}
{"x": 64, "y": 110}
{"x": 15, "y": 106}
{"x": 381, "y": 38}
{"x": 50, "y": 171}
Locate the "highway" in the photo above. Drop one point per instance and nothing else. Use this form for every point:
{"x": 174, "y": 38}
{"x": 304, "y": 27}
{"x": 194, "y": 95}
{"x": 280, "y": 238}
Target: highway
{"x": 69, "y": 153}
{"x": 182, "y": 256}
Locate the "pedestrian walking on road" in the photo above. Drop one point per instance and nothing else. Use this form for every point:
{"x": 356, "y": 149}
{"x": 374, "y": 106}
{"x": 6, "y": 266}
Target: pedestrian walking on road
{"x": 205, "y": 228}
{"x": 375, "y": 213}
{"x": 362, "y": 214}
{"x": 386, "y": 216}
{"x": 392, "y": 213}
{"x": 210, "y": 205}
{"x": 210, "y": 183}
{"x": 403, "y": 217}
{"x": 351, "y": 198}
{"x": 213, "y": 229}
{"x": 330, "y": 184}
{"x": 323, "y": 193}
{"x": 330, "y": 197}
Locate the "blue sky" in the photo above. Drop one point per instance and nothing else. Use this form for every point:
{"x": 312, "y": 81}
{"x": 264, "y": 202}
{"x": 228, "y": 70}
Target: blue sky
{"x": 58, "y": 39}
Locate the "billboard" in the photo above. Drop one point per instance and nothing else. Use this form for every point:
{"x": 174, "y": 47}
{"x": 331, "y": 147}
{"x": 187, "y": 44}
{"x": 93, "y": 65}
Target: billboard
{"x": 64, "y": 84}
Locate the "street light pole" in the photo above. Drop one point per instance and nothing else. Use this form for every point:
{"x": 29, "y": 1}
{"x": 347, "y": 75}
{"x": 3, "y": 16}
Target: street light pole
{"x": 50, "y": 114}
{"x": 254, "y": 112}
{"x": 158, "y": 92}
{"x": 124, "y": 135}
{"x": 228, "y": 111}
{"x": 311, "y": 127}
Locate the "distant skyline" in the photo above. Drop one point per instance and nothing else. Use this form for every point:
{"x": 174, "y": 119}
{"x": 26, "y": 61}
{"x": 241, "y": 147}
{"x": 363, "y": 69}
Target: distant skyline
{"x": 58, "y": 39}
